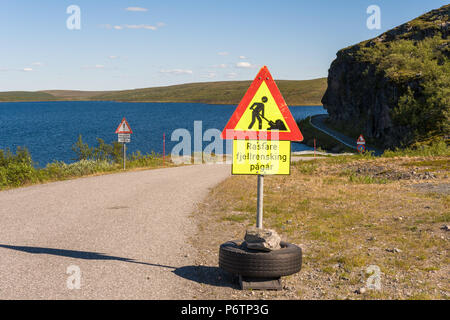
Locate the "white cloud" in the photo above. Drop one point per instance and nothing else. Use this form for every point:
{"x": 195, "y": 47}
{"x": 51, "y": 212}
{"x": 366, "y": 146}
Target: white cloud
{"x": 177, "y": 71}
{"x": 231, "y": 75}
{"x": 220, "y": 66}
{"x": 97, "y": 66}
{"x": 223, "y": 53}
{"x": 25, "y": 69}
{"x": 210, "y": 75}
{"x": 244, "y": 64}
{"x": 113, "y": 57}
{"x": 139, "y": 26}
{"x": 39, "y": 64}
{"x": 136, "y": 9}
{"x": 242, "y": 57}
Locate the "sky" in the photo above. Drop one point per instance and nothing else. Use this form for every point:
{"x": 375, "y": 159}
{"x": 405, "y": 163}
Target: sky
{"x": 137, "y": 44}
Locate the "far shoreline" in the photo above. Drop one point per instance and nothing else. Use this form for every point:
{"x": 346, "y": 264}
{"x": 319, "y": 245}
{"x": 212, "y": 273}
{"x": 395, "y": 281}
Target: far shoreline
{"x": 118, "y": 101}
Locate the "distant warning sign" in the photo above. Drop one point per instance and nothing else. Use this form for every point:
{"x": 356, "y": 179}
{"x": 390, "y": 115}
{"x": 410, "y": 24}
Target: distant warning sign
{"x": 264, "y": 157}
{"x": 361, "y": 140}
{"x": 124, "y": 137}
{"x": 361, "y": 144}
{"x": 262, "y": 111}
{"x": 124, "y": 127}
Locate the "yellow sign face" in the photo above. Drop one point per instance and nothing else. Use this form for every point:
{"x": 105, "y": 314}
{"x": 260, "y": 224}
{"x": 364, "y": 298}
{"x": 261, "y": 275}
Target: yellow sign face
{"x": 267, "y": 157}
{"x": 262, "y": 113}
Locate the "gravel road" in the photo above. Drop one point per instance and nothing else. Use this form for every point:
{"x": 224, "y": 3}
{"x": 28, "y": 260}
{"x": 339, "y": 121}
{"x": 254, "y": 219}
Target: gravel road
{"x": 127, "y": 233}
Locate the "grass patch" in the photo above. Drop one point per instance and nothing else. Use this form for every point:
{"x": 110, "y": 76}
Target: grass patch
{"x": 236, "y": 217}
{"x": 346, "y": 223}
{"x": 305, "y": 167}
{"x": 434, "y": 149}
{"x": 18, "y": 169}
{"x": 363, "y": 179}
{"x": 433, "y": 165}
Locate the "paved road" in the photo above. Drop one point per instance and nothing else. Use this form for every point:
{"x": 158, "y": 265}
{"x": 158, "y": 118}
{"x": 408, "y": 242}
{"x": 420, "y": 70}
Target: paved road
{"x": 318, "y": 122}
{"x": 127, "y": 233}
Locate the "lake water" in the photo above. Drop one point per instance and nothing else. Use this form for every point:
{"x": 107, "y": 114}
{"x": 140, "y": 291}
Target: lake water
{"x": 49, "y": 129}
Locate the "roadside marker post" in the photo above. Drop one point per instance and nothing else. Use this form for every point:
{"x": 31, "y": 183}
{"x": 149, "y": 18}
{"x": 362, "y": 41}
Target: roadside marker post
{"x": 361, "y": 144}
{"x": 262, "y": 128}
{"x": 124, "y": 136}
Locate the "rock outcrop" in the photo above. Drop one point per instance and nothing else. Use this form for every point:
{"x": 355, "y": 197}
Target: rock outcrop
{"x": 369, "y": 81}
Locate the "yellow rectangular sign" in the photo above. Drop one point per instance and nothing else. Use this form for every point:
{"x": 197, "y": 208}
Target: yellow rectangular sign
{"x": 261, "y": 157}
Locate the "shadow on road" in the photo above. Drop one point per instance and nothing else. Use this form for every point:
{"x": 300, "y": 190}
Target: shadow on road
{"x": 212, "y": 276}
{"x": 85, "y": 255}
{"x": 202, "y": 274}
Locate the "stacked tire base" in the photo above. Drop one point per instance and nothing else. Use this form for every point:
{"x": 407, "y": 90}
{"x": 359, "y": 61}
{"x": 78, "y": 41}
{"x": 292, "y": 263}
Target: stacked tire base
{"x": 255, "y": 264}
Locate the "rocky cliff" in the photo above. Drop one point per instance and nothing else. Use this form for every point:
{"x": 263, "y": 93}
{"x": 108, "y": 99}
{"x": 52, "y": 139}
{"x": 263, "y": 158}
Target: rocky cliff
{"x": 395, "y": 89}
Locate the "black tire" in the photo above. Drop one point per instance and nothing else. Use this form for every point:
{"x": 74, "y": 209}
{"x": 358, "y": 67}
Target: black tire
{"x": 239, "y": 260}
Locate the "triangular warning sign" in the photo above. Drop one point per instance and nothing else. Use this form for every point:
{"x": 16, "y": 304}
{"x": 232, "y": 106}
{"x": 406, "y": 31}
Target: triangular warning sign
{"x": 124, "y": 127}
{"x": 262, "y": 111}
{"x": 361, "y": 139}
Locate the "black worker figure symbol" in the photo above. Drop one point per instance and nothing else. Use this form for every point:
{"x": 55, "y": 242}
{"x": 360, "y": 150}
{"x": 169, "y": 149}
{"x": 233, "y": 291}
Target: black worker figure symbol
{"x": 258, "y": 113}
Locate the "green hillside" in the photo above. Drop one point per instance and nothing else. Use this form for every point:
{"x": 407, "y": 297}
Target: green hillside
{"x": 295, "y": 92}
{"x": 73, "y": 94}
{"x": 395, "y": 88}
{"x": 26, "y": 96}
{"x": 307, "y": 92}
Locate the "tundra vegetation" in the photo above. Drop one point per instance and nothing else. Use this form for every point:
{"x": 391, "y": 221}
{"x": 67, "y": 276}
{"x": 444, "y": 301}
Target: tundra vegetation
{"x": 296, "y": 93}
{"x": 18, "y": 169}
{"x": 349, "y": 214}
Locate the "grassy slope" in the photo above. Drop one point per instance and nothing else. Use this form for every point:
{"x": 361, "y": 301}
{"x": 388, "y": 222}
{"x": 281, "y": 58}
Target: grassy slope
{"x": 295, "y": 92}
{"x": 26, "y": 96}
{"x": 307, "y": 92}
{"x": 73, "y": 94}
{"x": 347, "y": 213}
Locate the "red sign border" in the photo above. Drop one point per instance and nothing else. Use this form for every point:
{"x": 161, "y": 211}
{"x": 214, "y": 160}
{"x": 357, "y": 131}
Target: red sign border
{"x": 361, "y": 141}
{"x": 123, "y": 120}
{"x": 263, "y": 75}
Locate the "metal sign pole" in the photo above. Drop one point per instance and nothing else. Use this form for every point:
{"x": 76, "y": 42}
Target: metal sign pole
{"x": 259, "y": 204}
{"x": 124, "y": 154}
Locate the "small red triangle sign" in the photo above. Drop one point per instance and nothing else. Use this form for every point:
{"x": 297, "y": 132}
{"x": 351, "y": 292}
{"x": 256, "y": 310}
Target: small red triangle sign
{"x": 262, "y": 113}
{"x": 124, "y": 127}
{"x": 361, "y": 138}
